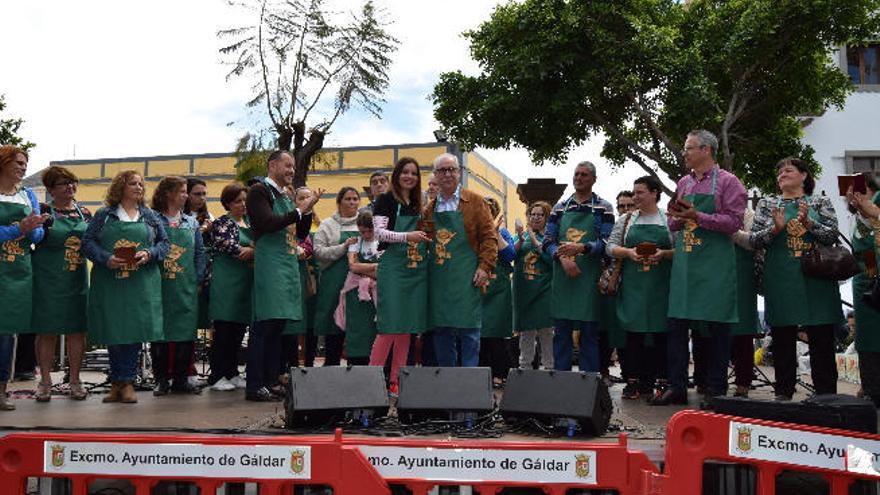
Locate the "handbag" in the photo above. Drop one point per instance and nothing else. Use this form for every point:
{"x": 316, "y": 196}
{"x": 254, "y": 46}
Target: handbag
{"x": 609, "y": 281}
{"x": 834, "y": 262}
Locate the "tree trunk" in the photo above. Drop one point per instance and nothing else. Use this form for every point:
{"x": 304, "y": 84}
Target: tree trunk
{"x": 303, "y": 155}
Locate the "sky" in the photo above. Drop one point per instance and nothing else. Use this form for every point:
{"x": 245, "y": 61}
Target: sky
{"x": 107, "y": 79}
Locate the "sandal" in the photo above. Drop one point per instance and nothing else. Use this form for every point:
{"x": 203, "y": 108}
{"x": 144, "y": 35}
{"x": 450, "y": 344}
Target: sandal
{"x": 77, "y": 391}
{"x": 44, "y": 392}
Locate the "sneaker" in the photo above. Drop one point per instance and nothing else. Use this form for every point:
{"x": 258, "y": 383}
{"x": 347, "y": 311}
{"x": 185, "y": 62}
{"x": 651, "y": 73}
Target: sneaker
{"x": 161, "y": 388}
{"x": 238, "y": 381}
{"x": 223, "y": 385}
{"x": 195, "y": 381}
{"x": 262, "y": 395}
{"x": 44, "y": 392}
{"x": 630, "y": 390}
{"x": 741, "y": 391}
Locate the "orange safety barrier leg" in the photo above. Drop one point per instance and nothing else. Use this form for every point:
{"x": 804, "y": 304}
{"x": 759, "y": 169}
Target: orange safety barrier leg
{"x": 840, "y": 485}
{"x": 80, "y": 486}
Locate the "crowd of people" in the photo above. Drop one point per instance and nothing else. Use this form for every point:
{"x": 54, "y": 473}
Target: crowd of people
{"x": 430, "y": 277}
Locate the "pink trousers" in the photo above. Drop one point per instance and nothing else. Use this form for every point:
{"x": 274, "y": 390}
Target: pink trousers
{"x": 382, "y": 346}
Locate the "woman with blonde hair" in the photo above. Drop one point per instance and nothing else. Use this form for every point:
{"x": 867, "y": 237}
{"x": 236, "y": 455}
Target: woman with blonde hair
{"x": 126, "y": 242}
{"x": 60, "y": 282}
{"x": 20, "y": 225}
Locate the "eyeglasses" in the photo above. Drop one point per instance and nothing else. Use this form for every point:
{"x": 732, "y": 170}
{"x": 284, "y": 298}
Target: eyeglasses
{"x": 691, "y": 148}
{"x": 65, "y": 183}
{"x": 198, "y": 194}
{"x": 445, "y": 170}
{"x": 626, "y": 206}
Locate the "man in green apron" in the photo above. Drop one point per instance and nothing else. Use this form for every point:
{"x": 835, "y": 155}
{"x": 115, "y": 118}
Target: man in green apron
{"x": 707, "y": 210}
{"x": 465, "y": 251}
{"x": 575, "y": 237}
{"x": 277, "y": 294}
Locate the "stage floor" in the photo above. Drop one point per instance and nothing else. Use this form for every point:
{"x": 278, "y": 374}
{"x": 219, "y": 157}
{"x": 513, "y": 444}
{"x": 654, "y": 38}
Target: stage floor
{"x": 216, "y": 412}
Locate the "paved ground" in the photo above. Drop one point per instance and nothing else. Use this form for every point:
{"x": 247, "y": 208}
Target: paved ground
{"x": 644, "y": 424}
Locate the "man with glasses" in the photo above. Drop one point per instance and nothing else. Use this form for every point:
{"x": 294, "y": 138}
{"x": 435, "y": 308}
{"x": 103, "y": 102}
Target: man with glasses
{"x": 465, "y": 250}
{"x": 575, "y": 237}
{"x": 707, "y": 209}
{"x": 625, "y": 202}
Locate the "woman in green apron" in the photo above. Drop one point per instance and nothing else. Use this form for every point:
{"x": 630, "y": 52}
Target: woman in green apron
{"x": 866, "y": 248}
{"x": 498, "y": 305}
{"x": 21, "y": 224}
{"x": 126, "y": 243}
{"x": 356, "y": 313}
{"x": 643, "y": 241}
{"x": 402, "y": 275}
{"x": 532, "y": 273}
{"x": 332, "y": 240}
{"x": 60, "y": 282}
{"x": 232, "y": 279}
{"x": 787, "y": 226}
{"x": 182, "y": 271}
{"x": 197, "y": 207}
{"x": 743, "y": 334}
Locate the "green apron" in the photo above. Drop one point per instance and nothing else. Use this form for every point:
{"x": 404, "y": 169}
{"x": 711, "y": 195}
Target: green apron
{"x": 16, "y": 273}
{"x": 867, "y": 318}
{"x": 702, "y": 286}
{"x": 180, "y": 301}
{"x": 60, "y": 278}
{"x": 277, "y": 289}
{"x": 643, "y": 299}
{"x": 231, "y": 283}
{"x": 498, "y": 303}
{"x": 747, "y": 295}
{"x": 454, "y": 301}
{"x": 403, "y": 283}
{"x": 125, "y": 306}
{"x": 577, "y": 298}
{"x": 360, "y": 322}
{"x": 299, "y": 327}
{"x": 790, "y": 297}
{"x": 532, "y": 276}
{"x": 332, "y": 281}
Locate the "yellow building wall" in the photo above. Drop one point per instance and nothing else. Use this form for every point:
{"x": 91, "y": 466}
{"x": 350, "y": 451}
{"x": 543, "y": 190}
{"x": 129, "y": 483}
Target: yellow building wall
{"x": 368, "y": 158}
{"x": 214, "y": 166}
{"x": 162, "y": 168}
{"x": 91, "y": 192}
{"x": 86, "y": 170}
{"x": 111, "y": 169}
{"x": 422, "y": 155}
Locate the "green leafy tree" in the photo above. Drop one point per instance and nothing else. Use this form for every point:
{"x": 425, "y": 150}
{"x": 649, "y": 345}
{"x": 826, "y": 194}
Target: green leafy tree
{"x": 9, "y": 129}
{"x": 308, "y": 67}
{"x": 555, "y": 73}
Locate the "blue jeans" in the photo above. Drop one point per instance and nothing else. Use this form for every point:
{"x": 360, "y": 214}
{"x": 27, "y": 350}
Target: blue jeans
{"x": 717, "y": 350}
{"x": 563, "y": 345}
{"x": 264, "y": 354}
{"x": 446, "y": 351}
{"x": 123, "y": 362}
{"x": 7, "y": 343}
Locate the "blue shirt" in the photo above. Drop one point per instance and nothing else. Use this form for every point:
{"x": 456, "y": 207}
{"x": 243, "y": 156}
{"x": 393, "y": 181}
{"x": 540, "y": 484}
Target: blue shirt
{"x": 450, "y": 204}
{"x": 189, "y": 222}
{"x": 156, "y": 236}
{"x": 508, "y": 254}
{"x": 603, "y": 223}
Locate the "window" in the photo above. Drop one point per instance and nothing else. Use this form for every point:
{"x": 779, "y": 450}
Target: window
{"x": 863, "y": 161}
{"x": 863, "y": 63}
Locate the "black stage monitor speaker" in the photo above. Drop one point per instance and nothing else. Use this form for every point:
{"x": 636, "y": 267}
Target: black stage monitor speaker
{"x": 833, "y": 411}
{"x": 443, "y": 393}
{"x": 562, "y": 398}
{"x": 319, "y": 396}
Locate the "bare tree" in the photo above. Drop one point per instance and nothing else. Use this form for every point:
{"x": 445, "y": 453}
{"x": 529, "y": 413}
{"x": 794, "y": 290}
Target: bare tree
{"x": 308, "y": 66}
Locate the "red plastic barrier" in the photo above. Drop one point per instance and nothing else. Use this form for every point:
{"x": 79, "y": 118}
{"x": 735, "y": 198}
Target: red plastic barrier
{"x": 363, "y": 466}
{"x": 275, "y": 463}
{"x": 554, "y": 466}
{"x": 695, "y": 437}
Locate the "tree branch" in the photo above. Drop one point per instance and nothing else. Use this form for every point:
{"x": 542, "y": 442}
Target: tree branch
{"x": 656, "y": 131}
{"x": 330, "y": 77}
{"x": 641, "y": 162}
{"x": 263, "y": 64}
{"x": 610, "y": 129}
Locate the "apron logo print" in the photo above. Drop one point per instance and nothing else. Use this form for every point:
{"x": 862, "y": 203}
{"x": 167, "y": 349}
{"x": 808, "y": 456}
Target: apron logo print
{"x": 530, "y": 268}
{"x": 412, "y": 254}
{"x": 11, "y": 250}
{"x": 690, "y": 239}
{"x": 574, "y": 235}
{"x": 744, "y": 439}
{"x": 57, "y": 456}
{"x": 796, "y": 243}
{"x": 72, "y": 254}
{"x": 130, "y": 267}
{"x": 582, "y": 466}
{"x": 292, "y": 244}
{"x": 297, "y": 461}
{"x": 172, "y": 267}
{"x": 443, "y": 238}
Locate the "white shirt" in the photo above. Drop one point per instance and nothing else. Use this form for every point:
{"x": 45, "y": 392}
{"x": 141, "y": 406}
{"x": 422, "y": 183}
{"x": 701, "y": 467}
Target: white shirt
{"x": 368, "y": 249}
{"x": 19, "y": 197}
{"x": 281, "y": 191}
{"x": 450, "y": 204}
{"x": 123, "y": 216}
